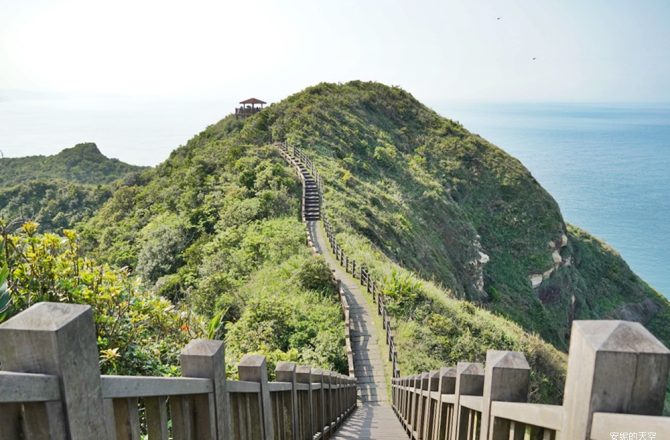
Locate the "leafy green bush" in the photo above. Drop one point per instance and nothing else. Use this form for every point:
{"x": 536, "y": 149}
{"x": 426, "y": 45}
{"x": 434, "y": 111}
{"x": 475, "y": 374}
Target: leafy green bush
{"x": 138, "y": 332}
{"x": 315, "y": 275}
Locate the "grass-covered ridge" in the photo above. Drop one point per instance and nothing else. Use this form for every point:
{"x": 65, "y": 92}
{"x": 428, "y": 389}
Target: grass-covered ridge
{"x": 62, "y": 190}
{"x": 455, "y": 209}
{"x": 83, "y": 163}
{"x": 54, "y": 204}
{"x": 216, "y": 228}
{"x": 453, "y": 225}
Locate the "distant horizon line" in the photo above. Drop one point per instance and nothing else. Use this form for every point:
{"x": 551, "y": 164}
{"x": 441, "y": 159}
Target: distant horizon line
{"x": 8, "y": 95}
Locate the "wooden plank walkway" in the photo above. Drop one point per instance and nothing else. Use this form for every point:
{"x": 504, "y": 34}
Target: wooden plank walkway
{"x": 374, "y": 418}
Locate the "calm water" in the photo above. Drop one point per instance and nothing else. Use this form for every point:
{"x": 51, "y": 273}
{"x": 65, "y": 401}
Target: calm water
{"x": 141, "y": 132}
{"x": 608, "y": 167}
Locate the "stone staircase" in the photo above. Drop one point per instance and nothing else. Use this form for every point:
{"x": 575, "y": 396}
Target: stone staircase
{"x": 374, "y": 418}
{"x": 311, "y": 199}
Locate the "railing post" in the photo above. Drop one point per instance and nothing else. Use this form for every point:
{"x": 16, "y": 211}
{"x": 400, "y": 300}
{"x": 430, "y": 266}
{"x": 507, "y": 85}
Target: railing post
{"x": 446, "y": 385}
{"x": 613, "y": 366}
{"x": 59, "y": 339}
{"x": 285, "y": 372}
{"x": 469, "y": 382}
{"x": 303, "y": 375}
{"x": 507, "y": 379}
{"x": 252, "y": 368}
{"x": 206, "y": 359}
{"x": 431, "y": 406}
{"x": 320, "y": 410}
{"x": 330, "y": 412}
{"x": 423, "y": 403}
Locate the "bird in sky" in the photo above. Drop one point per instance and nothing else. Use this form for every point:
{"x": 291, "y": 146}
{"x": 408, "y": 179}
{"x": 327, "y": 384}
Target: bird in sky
{"x": 534, "y": 58}
{"x": 499, "y": 18}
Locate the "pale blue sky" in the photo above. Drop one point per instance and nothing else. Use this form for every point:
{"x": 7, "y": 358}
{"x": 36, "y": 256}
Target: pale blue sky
{"x": 593, "y": 51}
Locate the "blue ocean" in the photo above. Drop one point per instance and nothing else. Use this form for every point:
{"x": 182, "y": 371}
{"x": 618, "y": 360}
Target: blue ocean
{"x": 608, "y": 167}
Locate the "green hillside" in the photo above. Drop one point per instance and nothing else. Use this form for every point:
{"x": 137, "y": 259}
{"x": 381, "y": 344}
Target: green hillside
{"x": 61, "y": 190}
{"x": 455, "y": 209}
{"x": 54, "y": 204}
{"x": 83, "y": 163}
{"x": 473, "y": 253}
{"x": 209, "y": 227}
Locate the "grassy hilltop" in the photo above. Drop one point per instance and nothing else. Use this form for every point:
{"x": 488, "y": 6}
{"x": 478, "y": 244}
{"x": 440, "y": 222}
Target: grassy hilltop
{"x": 83, "y": 163}
{"x": 473, "y": 252}
{"x": 61, "y": 190}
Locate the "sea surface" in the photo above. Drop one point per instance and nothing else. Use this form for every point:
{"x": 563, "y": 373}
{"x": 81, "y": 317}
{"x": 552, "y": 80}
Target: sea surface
{"x": 608, "y": 166}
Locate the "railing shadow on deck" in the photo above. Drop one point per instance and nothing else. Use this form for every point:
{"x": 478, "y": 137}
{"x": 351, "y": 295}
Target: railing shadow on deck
{"x": 51, "y": 388}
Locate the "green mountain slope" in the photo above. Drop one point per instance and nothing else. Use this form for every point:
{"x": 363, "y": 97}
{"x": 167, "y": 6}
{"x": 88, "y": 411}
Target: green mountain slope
{"x": 54, "y": 204}
{"x": 83, "y": 163}
{"x": 456, "y": 228}
{"x": 455, "y": 209}
{"x": 215, "y": 227}
{"x": 61, "y": 190}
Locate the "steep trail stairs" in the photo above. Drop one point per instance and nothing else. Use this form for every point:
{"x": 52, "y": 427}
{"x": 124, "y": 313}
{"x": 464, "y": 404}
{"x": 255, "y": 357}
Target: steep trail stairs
{"x": 374, "y": 418}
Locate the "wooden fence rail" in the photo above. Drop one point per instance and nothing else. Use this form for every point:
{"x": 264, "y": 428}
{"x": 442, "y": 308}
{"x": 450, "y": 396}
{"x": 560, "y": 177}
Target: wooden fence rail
{"x": 615, "y": 389}
{"x": 51, "y": 388}
{"x": 374, "y": 288}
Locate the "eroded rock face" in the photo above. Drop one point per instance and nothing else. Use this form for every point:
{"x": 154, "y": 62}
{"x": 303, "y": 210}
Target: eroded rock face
{"x": 556, "y": 256}
{"x": 477, "y": 266}
{"x": 555, "y": 247}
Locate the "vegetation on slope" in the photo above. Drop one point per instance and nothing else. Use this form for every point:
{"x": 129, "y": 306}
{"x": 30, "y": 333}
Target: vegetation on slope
{"x": 138, "y": 332}
{"x": 83, "y": 163}
{"x": 455, "y": 209}
{"x": 62, "y": 190}
{"x": 453, "y": 225}
{"x": 216, "y": 227}
{"x": 211, "y": 235}
{"x": 54, "y": 204}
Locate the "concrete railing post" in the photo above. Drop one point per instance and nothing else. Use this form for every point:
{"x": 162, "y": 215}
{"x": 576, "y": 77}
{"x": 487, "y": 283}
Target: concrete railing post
{"x": 285, "y": 372}
{"x": 60, "y": 339}
{"x": 328, "y": 380}
{"x": 303, "y": 375}
{"x": 205, "y": 358}
{"x": 422, "y": 391}
{"x": 469, "y": 382}
{"x": 446, "y": 385}
{"x": 252, "y": 368}
{"x": 507, "y": 379}
{"x": 320, "y": 404}
{"x": 431, "y": 405}
{"x": 613, "y": 366}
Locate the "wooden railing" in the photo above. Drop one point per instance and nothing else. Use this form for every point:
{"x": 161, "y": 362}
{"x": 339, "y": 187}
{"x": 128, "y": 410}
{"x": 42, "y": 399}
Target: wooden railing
{"x": 615, "y": 389}
{"x": 359, "y": 271}
{"x": 51, "y": 388}
{"x": 294, "y": 156}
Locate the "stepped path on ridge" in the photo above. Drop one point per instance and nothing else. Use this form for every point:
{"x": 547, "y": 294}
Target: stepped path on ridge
{"x": 374, "y": 418}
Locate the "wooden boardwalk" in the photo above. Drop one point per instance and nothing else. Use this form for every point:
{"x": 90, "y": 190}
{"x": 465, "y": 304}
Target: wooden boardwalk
{"x": 374, "y": 418}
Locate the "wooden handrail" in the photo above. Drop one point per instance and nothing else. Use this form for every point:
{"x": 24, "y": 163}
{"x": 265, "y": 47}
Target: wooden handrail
{"x": 72, "y": 397}
{"x": 372, "y": 286}
{"x": 28, "y": 387}
{"x": 478, "y": 403}
{"x": 118, "y": 387}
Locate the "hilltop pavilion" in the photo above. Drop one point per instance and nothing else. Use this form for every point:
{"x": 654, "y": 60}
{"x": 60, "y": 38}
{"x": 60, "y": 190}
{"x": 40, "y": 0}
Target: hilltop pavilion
{"x": 249, "y": 107}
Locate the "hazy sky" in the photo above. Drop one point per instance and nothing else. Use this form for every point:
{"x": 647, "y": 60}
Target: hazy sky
{"x": 594, "y": 50}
